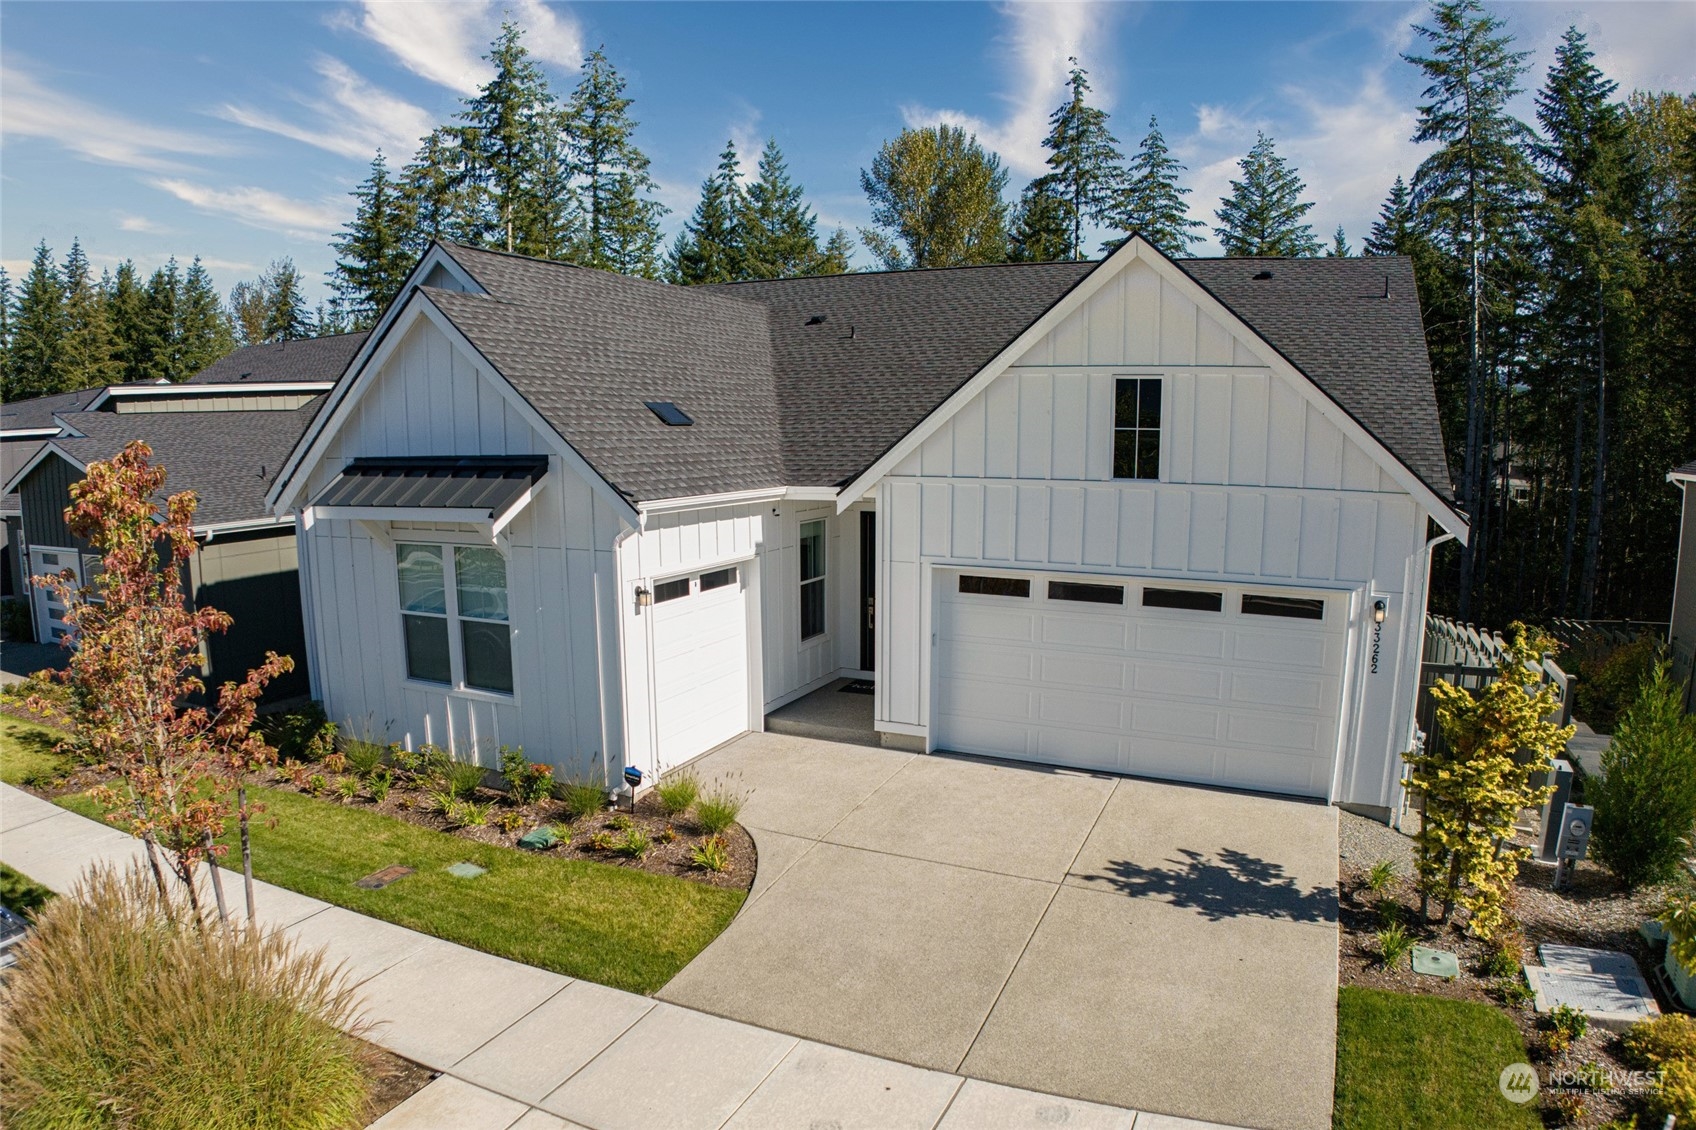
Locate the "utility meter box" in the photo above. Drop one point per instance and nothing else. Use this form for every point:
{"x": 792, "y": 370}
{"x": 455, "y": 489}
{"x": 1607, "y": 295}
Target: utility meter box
{"x": 1560, "y": 776}
{"x": 1575, "y": 831}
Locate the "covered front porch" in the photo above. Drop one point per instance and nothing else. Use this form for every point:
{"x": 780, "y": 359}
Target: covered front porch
{"x": 839, "y": 711}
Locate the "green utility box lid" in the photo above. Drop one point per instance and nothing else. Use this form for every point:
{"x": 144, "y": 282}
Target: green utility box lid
{"x": 1435, "y": 963}
{"x": 466, "y": 870}
{"x": 538, "y": 839}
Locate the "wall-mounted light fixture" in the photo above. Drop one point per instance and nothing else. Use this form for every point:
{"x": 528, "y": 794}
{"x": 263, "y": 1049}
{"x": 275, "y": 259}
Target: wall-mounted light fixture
{"x": 643, "y": 598}
{"x": 1380, "y": 609}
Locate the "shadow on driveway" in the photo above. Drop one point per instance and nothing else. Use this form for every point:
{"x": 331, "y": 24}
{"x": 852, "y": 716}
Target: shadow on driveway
{"x": 1228, "y": 884}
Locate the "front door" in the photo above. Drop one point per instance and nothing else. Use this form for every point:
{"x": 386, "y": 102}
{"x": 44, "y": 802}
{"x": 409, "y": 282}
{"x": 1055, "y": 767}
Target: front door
{"x": 49, "y": 608}
{"x": 868, "y": 589}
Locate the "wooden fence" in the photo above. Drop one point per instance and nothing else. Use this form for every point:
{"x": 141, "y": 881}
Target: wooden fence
{"x": 1466, "y": 657}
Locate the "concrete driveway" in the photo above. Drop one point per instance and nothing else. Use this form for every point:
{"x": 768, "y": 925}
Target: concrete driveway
{"x": 1161, "y": 947}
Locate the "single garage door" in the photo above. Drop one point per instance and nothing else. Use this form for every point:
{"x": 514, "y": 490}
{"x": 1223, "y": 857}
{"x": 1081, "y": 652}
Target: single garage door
{"x": 700, "y": 642}
{"x": 1227, "y": 685}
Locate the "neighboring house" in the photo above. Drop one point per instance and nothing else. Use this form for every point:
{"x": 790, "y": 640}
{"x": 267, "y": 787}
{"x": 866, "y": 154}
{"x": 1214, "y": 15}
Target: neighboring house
{"x": 1144, "y": 516}
{"x": 24, "y": 425}
{"x": 224, "y": 438}
{"x": 1682, "y": 631}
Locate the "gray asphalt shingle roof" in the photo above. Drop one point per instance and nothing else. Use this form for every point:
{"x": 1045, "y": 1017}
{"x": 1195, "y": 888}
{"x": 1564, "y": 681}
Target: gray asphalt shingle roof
{"x": 306, "y": 359}
{"x": 229, "y": 459}
{"x": 1687, "y": 469}
{"x": 779, "y": 401}
{"x": 38, "y": 411}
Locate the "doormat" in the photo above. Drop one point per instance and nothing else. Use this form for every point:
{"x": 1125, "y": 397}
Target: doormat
{"x": 377, "y": 880}
{"x": 858, "y": 686}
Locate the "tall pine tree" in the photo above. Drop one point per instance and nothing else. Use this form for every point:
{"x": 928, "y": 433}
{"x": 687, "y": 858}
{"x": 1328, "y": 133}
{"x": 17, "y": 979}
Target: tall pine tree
{"x": 1397, "y": 225}
{"x": 620, "y": 219}
{"x": 374, "y": 251}
{"x": 5, "y": 328}
{"x": 204, "y": 333}
{"x": 86, "y": 354}
{"x": 438, "y": 193}
{"x": 1152, "y": 202}
{"x": 38, "y": 331}
{"x": 1339, "y": 248}
{"x": 709, "y": 248}
{"x": 1087, "y": 170}
{"x": 286, "y": 318}
{"x": 1472, "y": 193}
{"x": 126, "y": 309}
{"x": 1042, "y": 228}
{"x": 780, "y": 236}
{"x": 1263, "y": 214}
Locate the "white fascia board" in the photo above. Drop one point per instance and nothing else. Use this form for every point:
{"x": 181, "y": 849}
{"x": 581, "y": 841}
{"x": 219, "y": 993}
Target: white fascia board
{"x": 813, "y": 494}
{"x": 47, "y": 449}
{"x": 707, "y": 501}
{"x": 1681, "y": 477}
{"x": 1130, "y": 251}
{"x": 378, "y": 341}
{"x": 31, "y": 433}
{"x": 505, "y": 517}
{"x": 216, "y": 528}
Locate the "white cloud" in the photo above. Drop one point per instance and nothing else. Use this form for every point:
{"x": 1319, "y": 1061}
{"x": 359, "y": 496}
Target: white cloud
{"x": 138, "y": 224}
{"x": 1041, "y": 38}
{"x": 98, "y": 134}
{"x": 350, "y": 116}
{"x": 446, "y": 42}
{"x": 1649, "y": 46}
{"x": 260, "y": 207}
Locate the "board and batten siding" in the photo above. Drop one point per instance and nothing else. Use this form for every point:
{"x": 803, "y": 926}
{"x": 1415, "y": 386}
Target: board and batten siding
{"x": 430, "y": 398}
{"x": 1256, "y": 485}
{"x": 43, "y": 496}
{"x": 255, "y": 578}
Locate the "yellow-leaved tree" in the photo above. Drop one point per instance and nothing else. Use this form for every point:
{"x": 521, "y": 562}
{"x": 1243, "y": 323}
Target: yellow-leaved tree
{"x": 1499, "y": 740}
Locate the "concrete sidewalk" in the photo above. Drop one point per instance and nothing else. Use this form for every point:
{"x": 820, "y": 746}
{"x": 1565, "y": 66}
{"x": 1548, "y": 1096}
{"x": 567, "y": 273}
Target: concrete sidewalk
{"x": 520, "y": 1048}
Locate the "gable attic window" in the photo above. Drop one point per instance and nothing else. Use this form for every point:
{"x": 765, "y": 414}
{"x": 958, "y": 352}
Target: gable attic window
{"x": 1136, "y": 428}
{"x": 670, "y": 414}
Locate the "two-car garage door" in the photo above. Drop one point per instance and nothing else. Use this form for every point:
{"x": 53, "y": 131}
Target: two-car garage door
{"x": 1222, "y": 684}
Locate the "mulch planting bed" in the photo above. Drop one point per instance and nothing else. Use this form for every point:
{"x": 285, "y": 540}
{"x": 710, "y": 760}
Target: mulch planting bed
{"x": 414, "y": 805}
{"x": 1593, "y": 910}
{"x": 393, "y": 1081}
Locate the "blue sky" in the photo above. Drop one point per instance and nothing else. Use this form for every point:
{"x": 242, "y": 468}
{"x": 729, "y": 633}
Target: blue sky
{"x": 235, "y": 130}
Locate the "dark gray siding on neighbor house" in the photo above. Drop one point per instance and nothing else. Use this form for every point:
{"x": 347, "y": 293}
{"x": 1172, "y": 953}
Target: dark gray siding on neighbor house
{"x": 1684, "y": 596}
{"x": 45, "y": 493}
{"x": 254, "y": 577}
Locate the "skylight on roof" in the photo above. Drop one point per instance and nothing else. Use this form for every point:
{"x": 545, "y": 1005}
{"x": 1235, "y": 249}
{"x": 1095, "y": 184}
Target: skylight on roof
{"x": 670, "y": 414}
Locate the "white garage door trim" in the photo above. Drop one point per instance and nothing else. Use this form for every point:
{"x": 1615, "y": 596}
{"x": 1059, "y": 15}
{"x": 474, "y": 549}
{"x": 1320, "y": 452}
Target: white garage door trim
{"x": 700, "y": 661}
{"x": 1221, "y": 696}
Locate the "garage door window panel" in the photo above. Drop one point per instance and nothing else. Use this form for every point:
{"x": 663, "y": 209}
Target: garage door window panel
{"x": 812, "y": 579}
{"x": 1192, "y": 600}
{"x": 671, "y": 590}
{"x": 1294, "y": 607}
{"x": 1086, "y": 594}
{"x": 995, "y": 586}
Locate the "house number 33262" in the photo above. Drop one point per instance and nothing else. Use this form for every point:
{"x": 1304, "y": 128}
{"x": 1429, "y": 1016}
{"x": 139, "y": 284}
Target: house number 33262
{"x": 1377, "y": 645}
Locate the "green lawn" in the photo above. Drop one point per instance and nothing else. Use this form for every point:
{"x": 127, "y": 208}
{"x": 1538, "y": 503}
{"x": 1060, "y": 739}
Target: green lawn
{"x": 26, "y": 749}
{"x": 1413, "y": 1062}
{"x": 608, "y": 924}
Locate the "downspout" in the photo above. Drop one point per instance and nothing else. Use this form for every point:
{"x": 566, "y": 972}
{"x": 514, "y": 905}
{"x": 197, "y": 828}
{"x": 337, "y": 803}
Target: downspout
{"x": 1399, "y": 800}
{"x": 622, "y": 657}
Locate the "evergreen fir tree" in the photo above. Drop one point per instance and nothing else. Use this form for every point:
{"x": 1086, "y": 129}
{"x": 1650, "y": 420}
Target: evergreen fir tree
{"x": 1152, "y": 203}
{"x": 86, "y": 354}
{"x": 437, "y": 194}
{"x": 1042, "y": 228}
{"x": 1263, "y": 214}
{"x": 204, "y": 333}
{"x": 507, "y": 132}
{"x": 837, "y": 256}
{"x": 1397, "y": 225}
{"x": 248, "y": 311}
{"x": 285, "y": 306}
{"x": 374, "y": 251}
{"x": 548, "y": 215}
{"x": 1471, "y": 193}
{"x": 779, "y": 232}
{"x": 126, "y": 310}
{"x": 161, "y": 325}
{"x": 1339, "y": 248}
{"x": 5, "y": 328}
{"x": 709, "y": 248}
{"x": 620, "y": 220}
{"x": 1088, "y": 174}
{"x": 936, "y": 201}
{"x": 38, "y": 331}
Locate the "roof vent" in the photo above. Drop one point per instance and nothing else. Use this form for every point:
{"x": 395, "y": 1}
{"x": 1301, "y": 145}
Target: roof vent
{"x": 1261, "y": 276}
{"x": 670, "y": 414}
{"x": 816, "y": 320}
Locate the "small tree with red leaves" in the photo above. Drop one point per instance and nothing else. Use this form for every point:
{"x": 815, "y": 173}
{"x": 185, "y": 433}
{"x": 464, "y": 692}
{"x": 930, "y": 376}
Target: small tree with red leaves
{"x": 134, "y": 676}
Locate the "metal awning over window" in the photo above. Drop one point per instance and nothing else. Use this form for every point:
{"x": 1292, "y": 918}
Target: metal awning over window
{"x": 486, "y": 490}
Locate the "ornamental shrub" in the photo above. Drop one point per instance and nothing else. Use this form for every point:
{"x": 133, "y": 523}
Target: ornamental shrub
{"x": 527, "y": 782}
{"x": 1498, "y": 737}
{"x": 1645, "y": 798}
{"x": 1608, "y": 681}
{"x": 1650, "y": 1043}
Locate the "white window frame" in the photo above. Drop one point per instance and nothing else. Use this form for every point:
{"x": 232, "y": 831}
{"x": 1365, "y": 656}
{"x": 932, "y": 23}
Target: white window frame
{"x": 1159, "y": 429}
{"x": 456, "y": 643}
{"x": 801, "y": 587}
